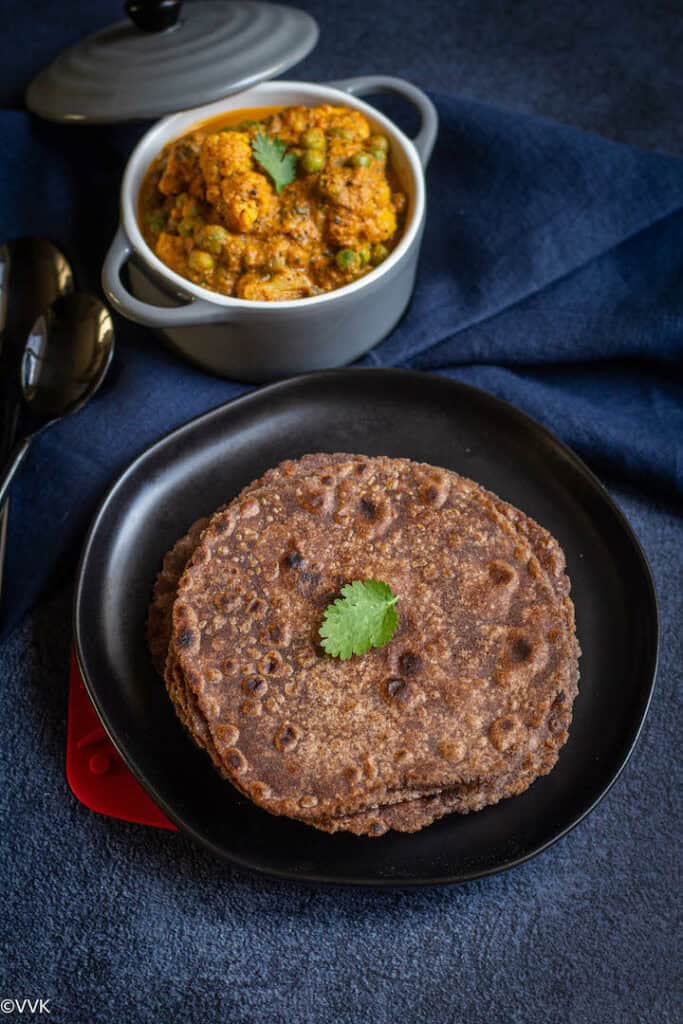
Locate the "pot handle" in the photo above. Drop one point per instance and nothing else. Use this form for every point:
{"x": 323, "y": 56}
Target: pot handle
{"x": 196, "y": 311}
{"x": 365, "y": 85}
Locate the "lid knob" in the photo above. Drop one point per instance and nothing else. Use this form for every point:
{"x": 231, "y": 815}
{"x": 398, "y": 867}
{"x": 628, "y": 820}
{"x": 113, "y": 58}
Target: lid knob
{"x": 153, "y": 15}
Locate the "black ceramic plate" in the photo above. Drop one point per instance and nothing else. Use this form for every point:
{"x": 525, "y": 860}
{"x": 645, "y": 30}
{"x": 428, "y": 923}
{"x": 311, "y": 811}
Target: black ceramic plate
{"x": 389, "y": 412}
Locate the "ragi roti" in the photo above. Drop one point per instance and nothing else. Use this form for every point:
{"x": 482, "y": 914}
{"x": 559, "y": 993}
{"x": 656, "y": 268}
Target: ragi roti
{"x": 469, "y": 702}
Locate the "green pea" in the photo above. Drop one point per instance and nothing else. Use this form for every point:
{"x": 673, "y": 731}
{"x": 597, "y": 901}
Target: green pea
{"x": 348, "y": 260}
{"x": 378, "y": 253}
{"x": 379, "y": 154}
{"x": 361, "y": 159}
{"x": 156, "y": 221}
{"x": 378, "y": 142}
{"x": 213, "y": 237}
{"x": 313, "y": 138}
{"x": 201, "y": 261}
{"x": 185, "y": 227}
{"x": 180, "y": 200}
{"x": 342, "y": 133}
{"x": 312, "y": 161}
{"x": 364, "y": 253}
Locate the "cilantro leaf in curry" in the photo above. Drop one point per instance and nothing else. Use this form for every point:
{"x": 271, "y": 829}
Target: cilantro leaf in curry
{"x": 272, "y": 155}
{"x": 364, "y": 617}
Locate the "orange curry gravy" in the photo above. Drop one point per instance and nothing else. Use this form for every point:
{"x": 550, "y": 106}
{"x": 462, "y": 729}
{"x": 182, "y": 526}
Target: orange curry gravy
{"x": 212, "y": 213}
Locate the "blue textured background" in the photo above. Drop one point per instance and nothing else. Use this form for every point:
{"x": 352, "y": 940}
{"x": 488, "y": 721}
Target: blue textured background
{"x": 568, "y": 299}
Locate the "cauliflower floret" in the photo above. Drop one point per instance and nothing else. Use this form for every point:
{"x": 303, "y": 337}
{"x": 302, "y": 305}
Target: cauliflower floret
{"x": 290, "y": 284}
{"x": 361, "y": 208}
{"x": 341, "y": 123}
{"x": 222, "y": 154}
{"x": 181, "y": 167}
{"x": 239, "y": 195}
{"x": 353, "y": 230}
{"x": 243, "y": 199}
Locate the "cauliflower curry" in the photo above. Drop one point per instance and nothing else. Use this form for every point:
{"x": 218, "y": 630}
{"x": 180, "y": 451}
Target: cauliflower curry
{"x": 274, "y": 203}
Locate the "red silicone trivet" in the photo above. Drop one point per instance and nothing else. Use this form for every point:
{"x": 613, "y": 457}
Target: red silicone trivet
{"x": 94, "y": 770}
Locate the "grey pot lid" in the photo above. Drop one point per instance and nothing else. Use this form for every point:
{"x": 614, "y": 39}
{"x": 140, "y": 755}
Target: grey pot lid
{"x": 214, "y": 49}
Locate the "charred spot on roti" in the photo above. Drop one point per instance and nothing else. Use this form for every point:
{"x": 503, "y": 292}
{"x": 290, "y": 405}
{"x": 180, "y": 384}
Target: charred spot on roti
{"x": 287, "y": 737}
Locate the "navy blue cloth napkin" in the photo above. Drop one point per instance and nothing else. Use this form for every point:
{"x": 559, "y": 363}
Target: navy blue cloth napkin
{"x": 551, "y": 274}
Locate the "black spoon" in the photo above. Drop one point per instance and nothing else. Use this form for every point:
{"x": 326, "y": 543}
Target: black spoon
{"x": 33, "y": 273}
{"x": 65, "y": 360}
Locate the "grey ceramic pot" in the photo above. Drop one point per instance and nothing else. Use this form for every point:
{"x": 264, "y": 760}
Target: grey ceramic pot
{"x": 258, "y": 341}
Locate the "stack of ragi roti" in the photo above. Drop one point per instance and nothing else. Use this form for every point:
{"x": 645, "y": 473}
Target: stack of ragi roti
{"x": 467, "y": 703}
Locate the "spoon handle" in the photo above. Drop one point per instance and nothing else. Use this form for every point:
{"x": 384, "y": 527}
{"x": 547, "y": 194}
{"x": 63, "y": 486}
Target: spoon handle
{"x": 4, "y": 520}
{"x": 11, "y": 404}
{"x": 16, "y": 457}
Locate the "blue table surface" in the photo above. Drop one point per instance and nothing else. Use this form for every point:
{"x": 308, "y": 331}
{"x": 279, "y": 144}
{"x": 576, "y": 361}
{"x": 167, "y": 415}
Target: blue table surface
{"x": 111, "y": 921}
